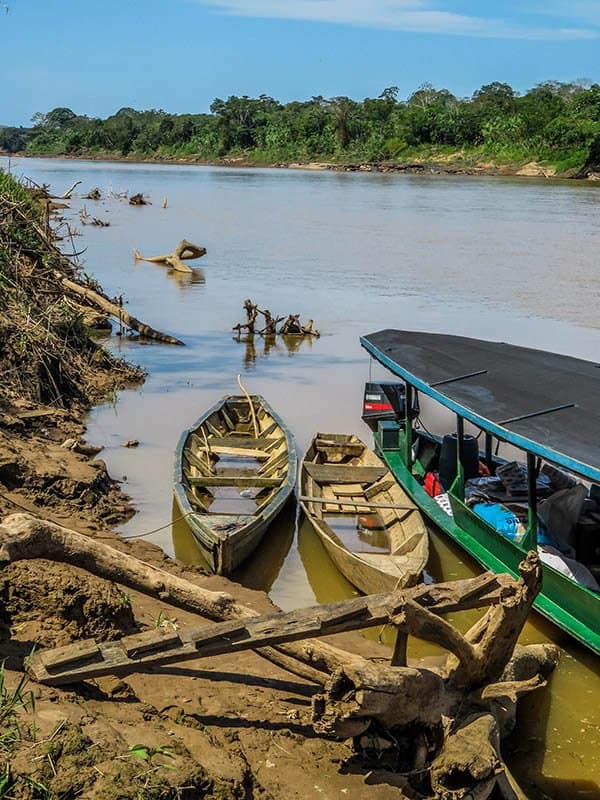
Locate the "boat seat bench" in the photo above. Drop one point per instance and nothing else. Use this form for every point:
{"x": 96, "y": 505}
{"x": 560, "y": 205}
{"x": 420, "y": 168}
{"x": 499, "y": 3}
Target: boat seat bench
{"x": 242, "y": 482}
{"x": 343, "y": 473}
{"x": 239, "y": 441}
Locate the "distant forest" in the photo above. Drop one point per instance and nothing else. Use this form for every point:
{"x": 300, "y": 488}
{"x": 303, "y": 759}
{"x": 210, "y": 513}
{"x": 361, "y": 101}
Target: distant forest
{"x": 557, "y": 123}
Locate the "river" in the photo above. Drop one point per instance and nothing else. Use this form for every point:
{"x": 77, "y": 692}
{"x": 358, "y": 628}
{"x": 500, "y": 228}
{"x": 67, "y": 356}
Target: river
{"x": 507, "y": 259}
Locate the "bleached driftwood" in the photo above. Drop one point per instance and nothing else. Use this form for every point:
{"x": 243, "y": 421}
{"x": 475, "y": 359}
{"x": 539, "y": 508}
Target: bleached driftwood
{"x": 183, "y": 252}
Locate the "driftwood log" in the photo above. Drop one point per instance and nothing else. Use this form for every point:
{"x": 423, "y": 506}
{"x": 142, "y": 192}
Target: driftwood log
{"x": 66, "y": 195}
{"x": 114, "y": 310}
{"x": 183, "y": 252}
{"x": 450, "y": 718}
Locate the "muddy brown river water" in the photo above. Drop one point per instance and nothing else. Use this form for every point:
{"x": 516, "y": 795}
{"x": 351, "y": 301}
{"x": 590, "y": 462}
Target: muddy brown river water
{"x": 512, "y": 260}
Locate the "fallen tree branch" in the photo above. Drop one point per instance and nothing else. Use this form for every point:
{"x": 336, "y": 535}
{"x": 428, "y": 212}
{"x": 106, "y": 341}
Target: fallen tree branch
{"x": 116, "y": 311}
{"x": 67, "y": 194}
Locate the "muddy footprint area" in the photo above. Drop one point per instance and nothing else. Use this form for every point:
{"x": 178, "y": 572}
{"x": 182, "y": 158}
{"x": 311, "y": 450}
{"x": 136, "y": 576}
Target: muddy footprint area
{"x": 222, "y": 727}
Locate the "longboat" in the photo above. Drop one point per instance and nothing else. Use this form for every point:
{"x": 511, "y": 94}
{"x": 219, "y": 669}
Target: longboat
{"x": 370, "y": 528}
{"x": 235, "y": 468}
{"x": 544, "y": 404}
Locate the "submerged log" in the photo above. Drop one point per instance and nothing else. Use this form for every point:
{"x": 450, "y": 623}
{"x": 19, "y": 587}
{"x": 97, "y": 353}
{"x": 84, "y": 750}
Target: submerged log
{"x": 114, "y": 310}
{"x": 183, "y": 252}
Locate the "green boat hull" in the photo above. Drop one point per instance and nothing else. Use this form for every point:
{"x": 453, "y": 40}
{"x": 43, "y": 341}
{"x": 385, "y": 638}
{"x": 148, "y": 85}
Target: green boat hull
{"x": 572, "y": 607}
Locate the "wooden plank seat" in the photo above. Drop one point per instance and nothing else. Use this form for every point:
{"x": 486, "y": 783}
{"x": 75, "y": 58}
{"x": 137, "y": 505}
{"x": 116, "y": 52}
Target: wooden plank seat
{"x": 246, "y": 481}
{"x": 342, "y": 473}
{"x": 239, "y": 441}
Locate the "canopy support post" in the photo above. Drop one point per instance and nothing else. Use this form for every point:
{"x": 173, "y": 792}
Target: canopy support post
{"x": 458, "y": 487}
{"x": 530, "y": 542}
{"x": 408, "y": 401}
{"x": 489, "y": 462}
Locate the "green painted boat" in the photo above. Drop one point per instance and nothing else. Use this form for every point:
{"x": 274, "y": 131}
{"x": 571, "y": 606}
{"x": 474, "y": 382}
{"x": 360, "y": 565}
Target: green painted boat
{"x": 544, "y": 404}
{"x": 235, "y": 468}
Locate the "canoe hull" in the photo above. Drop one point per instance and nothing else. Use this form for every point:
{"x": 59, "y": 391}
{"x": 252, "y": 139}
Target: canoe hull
{"x": 370, "y": 573}
{"x": 225, "y": 552}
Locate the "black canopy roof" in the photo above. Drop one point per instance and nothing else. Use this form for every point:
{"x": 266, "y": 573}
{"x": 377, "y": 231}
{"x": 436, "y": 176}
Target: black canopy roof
{"x": 542, "y": 402}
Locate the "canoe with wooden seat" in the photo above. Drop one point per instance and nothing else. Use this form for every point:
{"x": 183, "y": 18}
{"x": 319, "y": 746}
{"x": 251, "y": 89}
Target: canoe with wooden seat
{"x": 372, "y": 531}
{"x": 234, "y": 470}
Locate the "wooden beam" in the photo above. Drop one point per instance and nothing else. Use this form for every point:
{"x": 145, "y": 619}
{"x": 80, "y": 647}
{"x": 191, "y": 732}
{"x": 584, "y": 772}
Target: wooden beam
{"x": 244, "y": 481}
{"x": 240, "y": 441}
{"x": 354, "y": 503}
{"x": 141, "y": 651}
{"x": 342, "y": 473}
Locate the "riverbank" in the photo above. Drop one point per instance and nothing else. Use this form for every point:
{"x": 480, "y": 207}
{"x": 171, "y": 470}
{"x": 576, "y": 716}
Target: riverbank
{"x": 457, "y": 163}
{"x": 207, "y": 730}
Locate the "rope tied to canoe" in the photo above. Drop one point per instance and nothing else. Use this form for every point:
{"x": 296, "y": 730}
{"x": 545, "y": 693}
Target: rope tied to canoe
{"x": 131, "y": 536}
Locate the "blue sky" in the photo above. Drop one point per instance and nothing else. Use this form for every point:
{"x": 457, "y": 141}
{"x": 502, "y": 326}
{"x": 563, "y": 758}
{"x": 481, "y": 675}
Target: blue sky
{"x": 96, "y": 57}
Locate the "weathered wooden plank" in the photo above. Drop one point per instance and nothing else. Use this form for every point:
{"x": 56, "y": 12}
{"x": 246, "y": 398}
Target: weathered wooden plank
{"x": 269, "y": 430}
{"x": 342, "y": 473}
{"x": 342, "y": 448}
{"x": 250, "y": 633}
{"x": 347, "y": 490}
{"x": 213, "y": 429}
{"x": 145, "y": 642}
{"x": 70, "y": 654}
{"x": 244, "y": 481}
{"x": 275, "y": 465}
{"x": 355, "y": 504}
{"x": 240, "y": 441}
{"x": 379, "y": 486}
{"x": 242, "y": 452}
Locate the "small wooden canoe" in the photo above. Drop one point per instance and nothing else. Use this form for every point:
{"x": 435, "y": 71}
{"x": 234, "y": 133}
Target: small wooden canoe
{"x": 371, "y": 529}
{"x": 234, "y": 472}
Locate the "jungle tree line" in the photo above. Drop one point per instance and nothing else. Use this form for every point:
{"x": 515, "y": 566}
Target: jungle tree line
{"x": 556, "y": 121}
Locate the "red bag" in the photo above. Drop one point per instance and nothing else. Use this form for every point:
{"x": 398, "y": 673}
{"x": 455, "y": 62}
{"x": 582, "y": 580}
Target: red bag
{"x": 432, "y": 485}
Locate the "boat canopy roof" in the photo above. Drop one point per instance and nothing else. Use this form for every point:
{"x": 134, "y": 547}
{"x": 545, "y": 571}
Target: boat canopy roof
{"x": 541, "y": 402}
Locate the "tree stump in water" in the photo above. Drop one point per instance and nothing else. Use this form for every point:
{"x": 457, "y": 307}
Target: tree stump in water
{"x": 138, "y": 200}
{"x": 252, "y": 311}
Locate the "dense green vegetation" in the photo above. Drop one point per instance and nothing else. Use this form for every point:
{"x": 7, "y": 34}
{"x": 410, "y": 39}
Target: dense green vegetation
{"x": 556, "y": 123}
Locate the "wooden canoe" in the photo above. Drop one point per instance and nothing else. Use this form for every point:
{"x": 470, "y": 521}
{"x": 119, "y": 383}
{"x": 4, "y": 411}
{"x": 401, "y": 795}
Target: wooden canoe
{"x": 371, "y": 529}
{"x": 232, "y": 478}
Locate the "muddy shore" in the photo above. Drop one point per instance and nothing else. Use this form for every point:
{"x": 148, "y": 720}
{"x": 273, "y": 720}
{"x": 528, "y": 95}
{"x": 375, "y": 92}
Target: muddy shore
{"x": 448, "y": 167}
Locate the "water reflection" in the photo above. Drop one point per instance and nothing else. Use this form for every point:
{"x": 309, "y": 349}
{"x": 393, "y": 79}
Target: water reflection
{"x": 182, "y": 280}
{"x": 261, "y": 346}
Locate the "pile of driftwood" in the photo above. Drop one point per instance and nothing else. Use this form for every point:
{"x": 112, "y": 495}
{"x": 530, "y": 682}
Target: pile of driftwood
{"x": 445, "y": 723}
{"x": 292, "y": 326}
{"x": 184, "y": 251}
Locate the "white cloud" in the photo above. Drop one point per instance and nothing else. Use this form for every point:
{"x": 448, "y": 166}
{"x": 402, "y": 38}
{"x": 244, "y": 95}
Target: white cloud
{"x": 416, "y": 16}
